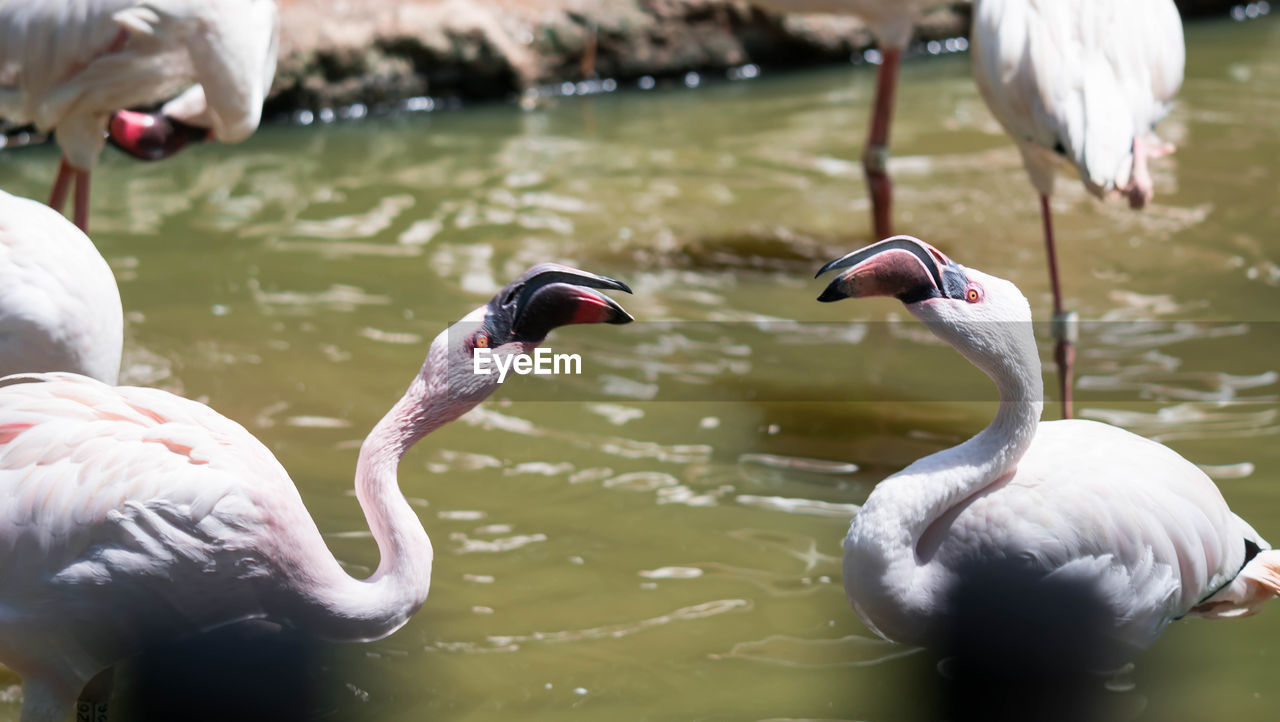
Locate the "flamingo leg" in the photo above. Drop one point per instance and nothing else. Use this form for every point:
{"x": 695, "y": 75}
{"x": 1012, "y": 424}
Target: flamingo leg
{"x": 82, "y": 200}
{"x": 1140, "y": 188}
{"x": 61, "y": 182}
{"x": 1065, "y": 325}
{"x": 875, "y": 157}
{"x": 588, "y": 64}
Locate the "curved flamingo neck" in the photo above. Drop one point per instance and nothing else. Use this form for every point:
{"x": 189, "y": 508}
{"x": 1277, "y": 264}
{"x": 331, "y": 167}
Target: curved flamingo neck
{"x": 360, "y": 610}
{"x": 892, "y": 539}
{"x": 948, "y": 477}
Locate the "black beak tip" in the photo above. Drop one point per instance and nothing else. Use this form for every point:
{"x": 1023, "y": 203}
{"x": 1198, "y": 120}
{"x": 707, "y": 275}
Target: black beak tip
{"x": 621, "y": 317}
{"x": 618, "y": 285}
{"x": 832, "y": 294}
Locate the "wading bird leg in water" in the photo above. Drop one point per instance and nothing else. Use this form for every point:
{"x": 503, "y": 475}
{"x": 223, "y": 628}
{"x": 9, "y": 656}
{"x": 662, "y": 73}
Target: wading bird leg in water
{"x": 1141, "y": 188}
{"x": 875, "y": 157}
{"x": 69, "y": 175}
{"x": 81, "y": 215}
{"x": 58, "y": 196}
{"x": 1065, "y": 325}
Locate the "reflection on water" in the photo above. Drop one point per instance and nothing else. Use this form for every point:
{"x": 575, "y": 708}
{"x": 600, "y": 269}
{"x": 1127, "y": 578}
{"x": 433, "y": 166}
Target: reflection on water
{"x": 661, "y": 535}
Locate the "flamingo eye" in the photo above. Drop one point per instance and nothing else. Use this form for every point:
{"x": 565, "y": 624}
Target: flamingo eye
{"x": 482, "y": 341}
{"x": 973, "y": 294}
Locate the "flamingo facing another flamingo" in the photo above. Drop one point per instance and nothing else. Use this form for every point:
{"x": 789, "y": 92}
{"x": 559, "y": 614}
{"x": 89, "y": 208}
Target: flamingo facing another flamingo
{"x": 891, "y": 22}
{"x": 1080, "y": 83}
{"x": 59, "y": 305}
{"x": 71, "y": 66}
{"x": 133, "y": 516}
{"x": 1069, "y": 500}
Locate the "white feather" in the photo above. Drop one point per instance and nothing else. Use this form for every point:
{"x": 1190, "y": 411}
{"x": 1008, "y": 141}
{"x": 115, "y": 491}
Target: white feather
{"x": 59, "y": 306}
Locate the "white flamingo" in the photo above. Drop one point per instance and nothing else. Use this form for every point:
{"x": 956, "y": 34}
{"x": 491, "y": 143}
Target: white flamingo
{"x": 1080, "y": 83}
{"x": 133, "y": 516}
{"x": 59, "y": 305}
{"x": 891, "y": 22}
{"x": 1074, "y": 500}
{"x": 71, "y": 66}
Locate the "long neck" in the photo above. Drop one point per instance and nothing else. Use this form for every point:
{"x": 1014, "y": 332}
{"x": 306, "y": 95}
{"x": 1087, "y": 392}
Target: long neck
{"x": 342, "y": 608}
{"x": 911, "y": 501}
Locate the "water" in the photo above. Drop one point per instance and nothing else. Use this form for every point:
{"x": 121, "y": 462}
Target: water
{"x": 663, "y": 541}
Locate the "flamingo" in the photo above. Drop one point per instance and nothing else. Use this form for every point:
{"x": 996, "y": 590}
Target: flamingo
{"x": 1067, "y": 500}
{"x": 132, "y": 516}
{"x": 59, "y": 305}
{"x": 73, "y": 66}
{"x": 1080, "y": 83}
{"x": 891, "y": 22}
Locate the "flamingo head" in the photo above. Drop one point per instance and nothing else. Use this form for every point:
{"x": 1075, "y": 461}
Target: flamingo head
{"x": 151, "y": 136}
{"x": 517, "y": 320}
{"x": 985, "y": 318}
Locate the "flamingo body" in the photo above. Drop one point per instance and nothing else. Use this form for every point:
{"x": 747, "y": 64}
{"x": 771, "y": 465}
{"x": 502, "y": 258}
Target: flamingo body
{"x": 1144, "y": 529}
{"x": 1079, "y": 83}
{"x": 59, "y": 305}
{"x": 125, "y": 513}
{"x": 1129, "y": 515}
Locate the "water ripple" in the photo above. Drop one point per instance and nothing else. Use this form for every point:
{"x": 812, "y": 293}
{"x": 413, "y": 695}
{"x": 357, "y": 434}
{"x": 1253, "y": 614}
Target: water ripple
{"x": 788, "y": 651}
{"x": 512, "y": 642}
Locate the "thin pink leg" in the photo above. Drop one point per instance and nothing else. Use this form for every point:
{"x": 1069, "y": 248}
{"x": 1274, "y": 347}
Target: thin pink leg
{"x": 875, "y": 157}
{"x": 58, "y": 197}
{"x": 82, "y": 200}
{"x": 1141, "y": 188}
{"x": 1064, "y": 325}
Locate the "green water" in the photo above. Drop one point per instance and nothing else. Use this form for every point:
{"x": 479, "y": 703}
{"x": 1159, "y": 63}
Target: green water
{"x": 659, "y": 538}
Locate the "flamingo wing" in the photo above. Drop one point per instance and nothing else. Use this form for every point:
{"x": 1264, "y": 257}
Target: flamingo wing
{"x": 1078, "y": 80}
{"x": 1093, "y": 502}
{"x": 126, "y": 511}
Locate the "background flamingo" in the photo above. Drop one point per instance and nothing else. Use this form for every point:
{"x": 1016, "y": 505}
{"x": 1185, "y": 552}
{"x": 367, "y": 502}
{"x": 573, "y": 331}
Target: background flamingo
{"x": 1068, "y": 500}
{"x": 59, "y": 305}
{"x": 133, "y": 516}
{"x": 891, "y": 22}
{"x": 68, "y": 66}
{"x": 1079, "y": 83}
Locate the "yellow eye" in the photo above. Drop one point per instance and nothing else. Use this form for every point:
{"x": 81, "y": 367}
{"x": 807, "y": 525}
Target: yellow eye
{"x": 973, "y": 295}
{"x": 482, "y": 341}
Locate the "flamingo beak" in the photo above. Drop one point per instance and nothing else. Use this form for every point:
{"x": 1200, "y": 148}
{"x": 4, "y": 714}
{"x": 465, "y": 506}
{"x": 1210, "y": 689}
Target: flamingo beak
{"x": 550, "y": 295}
{"x": 151, "y": 136}
{"x": 904, "y": 267}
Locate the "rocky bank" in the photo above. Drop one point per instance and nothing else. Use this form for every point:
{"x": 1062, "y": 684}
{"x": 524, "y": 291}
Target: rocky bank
{"x": 380, "y": 53}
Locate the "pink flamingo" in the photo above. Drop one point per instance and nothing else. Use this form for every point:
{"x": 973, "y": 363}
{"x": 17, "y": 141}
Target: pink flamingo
{"x": 134, "y": 516}
{"x": 1075, "y": 501}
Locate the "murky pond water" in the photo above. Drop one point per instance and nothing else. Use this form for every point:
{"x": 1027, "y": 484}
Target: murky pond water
{"x": 659, "y": 538}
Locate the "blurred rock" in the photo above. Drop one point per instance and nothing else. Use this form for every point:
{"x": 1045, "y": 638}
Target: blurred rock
{"x": 341, "y": 52}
